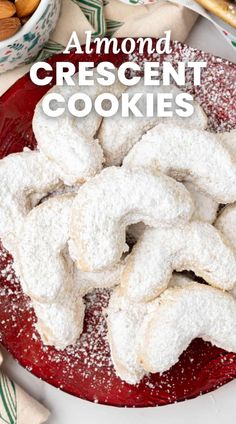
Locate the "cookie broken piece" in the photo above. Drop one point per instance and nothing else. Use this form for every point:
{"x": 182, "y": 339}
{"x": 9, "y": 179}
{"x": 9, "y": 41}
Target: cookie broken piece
{"x": 188, "y": 155}
{"x": 195, "y": 246}
{"x": 114, "y": 199}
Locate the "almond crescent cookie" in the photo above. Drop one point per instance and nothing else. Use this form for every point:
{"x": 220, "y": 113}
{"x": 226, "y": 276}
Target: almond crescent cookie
{"x": 25, "y": 178}
{"x": 114, "y": 199}
{"x": 196, "y": 247}
{"x": 118, "y": 135}
{"x": 188, "y": 155}
{"x": 150, "y": 337}
{"x": 49, "y": 275}
{"x": 69, "y": 141}
{"x": 181, "y": 315}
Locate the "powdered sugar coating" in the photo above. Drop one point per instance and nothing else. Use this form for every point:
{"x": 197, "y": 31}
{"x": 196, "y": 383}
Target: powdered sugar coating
{"x": 196, "y": 246}
{"x": 84, "y": 368}
{"x": 205, "y": 210}
{"x": 226, "y": 223}
{"x": 118, "y": 135}
{"x": 181, "y": 315}
{"x": 25, "y": 178}
{"x": 188, "y": 155}
{"x": 124, "y": 320}
{"x": 228, "y": 139}
{"x": 60, "y": 323}
{"x": 50, "y": 276}
{"x": 45, "y": 269}
{"x": 69, "y": 141}
{"x": 205, "y": 207}
{"x": 114, "y": 199}
{"x": 107, "y": 279}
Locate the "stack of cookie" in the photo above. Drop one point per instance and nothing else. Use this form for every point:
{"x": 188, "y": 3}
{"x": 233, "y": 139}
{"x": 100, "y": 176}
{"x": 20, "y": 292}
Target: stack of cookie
{"x": 66, "y": 211}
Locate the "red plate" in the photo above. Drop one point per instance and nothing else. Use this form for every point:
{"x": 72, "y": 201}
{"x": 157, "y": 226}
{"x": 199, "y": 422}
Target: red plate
{"x": 85, "y": 370}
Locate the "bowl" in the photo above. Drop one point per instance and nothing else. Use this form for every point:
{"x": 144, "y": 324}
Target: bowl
{"x": 24, "y": 46}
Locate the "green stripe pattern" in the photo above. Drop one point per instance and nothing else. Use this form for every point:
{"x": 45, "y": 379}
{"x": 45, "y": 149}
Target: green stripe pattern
{"x": 8, "y": 403}
{"x": 49, "y": 49}
{"x": 112, "y": 27}
{"x": 93, "y": 10}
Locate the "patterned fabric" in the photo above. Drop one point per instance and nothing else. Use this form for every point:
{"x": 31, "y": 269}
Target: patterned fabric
{"x": 93, "y": 10}
{"x": 8, "y": 403}
{"x": 112, "y": 27}
{"x": 50, "y": 48}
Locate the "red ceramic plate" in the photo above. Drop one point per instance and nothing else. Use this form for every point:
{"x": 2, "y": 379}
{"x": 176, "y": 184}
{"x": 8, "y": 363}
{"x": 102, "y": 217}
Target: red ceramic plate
{"x": 85, "y": 370}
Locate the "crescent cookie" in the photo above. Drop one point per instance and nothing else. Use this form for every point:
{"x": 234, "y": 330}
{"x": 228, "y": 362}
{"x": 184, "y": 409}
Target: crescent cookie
{"x": 69, "y": 141}
{"x": 188, "y": 155}
{"x": 150, "y": 337}
{"x": 25, "y": 178}
{"x": 114, "y": 199}
{"x": 117, "y": 135}
{"x": 195, "y": 246}
{"x": 181, "y": 315}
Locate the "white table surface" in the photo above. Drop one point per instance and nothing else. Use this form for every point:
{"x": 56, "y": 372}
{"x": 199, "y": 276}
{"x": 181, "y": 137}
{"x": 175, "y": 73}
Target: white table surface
{"x": 213, "y": 408}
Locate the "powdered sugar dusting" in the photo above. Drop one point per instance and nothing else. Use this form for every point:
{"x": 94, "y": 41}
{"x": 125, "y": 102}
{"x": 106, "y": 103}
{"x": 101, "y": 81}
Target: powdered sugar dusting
{"x": 217, "y": 92}
{"x": 85, "y": 369}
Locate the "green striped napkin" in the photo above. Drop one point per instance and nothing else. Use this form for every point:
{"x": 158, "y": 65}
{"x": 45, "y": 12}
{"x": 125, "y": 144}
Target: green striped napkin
{"x": 17, "y": 407}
